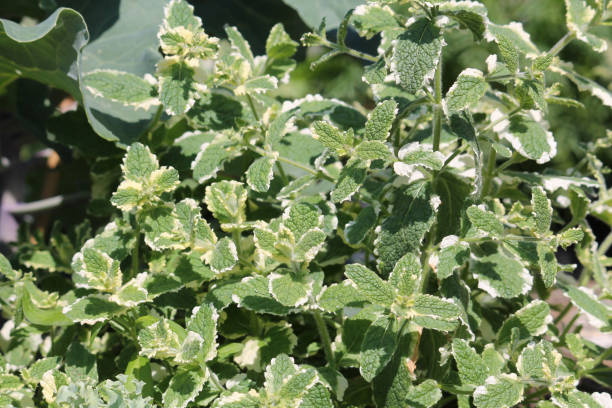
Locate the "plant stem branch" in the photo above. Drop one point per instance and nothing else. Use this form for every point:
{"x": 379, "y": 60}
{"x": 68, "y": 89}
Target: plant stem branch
{"x": 605, "y": 245}
{"x": 308, "y": 169}
{"x": 437, "y": 109}
{"x": 562, "y": 43}
{"x": 325, "y": 339}
{"x": 486, "y": 185}
{"x": 349, "y": 51}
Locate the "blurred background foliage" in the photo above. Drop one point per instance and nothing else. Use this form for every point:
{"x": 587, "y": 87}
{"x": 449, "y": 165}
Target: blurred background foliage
{"x": 33, "y": 118}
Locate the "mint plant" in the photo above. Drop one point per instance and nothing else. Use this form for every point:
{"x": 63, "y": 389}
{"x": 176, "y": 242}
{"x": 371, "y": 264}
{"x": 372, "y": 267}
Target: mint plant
{"x": 261, "y": 252}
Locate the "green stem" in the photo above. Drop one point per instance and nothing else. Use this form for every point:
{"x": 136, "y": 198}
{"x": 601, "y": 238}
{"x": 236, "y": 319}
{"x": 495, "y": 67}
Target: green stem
{"x": 349, "y": 51}
{"x": 252, "y": 106}
{"x": 566, "y": 39}
{"x": 492, "y": 124}
{"x": 569, "y": 326}
{"x": 236, "y": 239}
{"x": 437, "y": 112}
{"x": 605, "y": 245}
{"x": 602, "y": 357}
{"x": 282, "y": 173}
{"x": 486, "y": 184}
{"x": 155, "y": 121}
{"x": 135, "y": 253}
{"x": 215, "y": 380}
{"x": 397, "y": 122}
{"x": 325, "y": 339}
{"x": 310, "y": 170}
{"x": 512, "y": 160}
{"x": 565, "y": 310}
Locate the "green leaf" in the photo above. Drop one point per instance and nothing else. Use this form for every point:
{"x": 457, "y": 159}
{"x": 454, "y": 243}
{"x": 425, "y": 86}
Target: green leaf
{"x": 41, "y": 260}
{"x": 532, "y": 320}
{"x": 424, "y": 395}
{"x": 296, "y": 385}
{"x": 380, "y": 120}
{"x": 289, "y": 289}
{"x": 184, "y": 386}
{"x": 335, "y": 297}
{"x": 402, "y": 232}
{"x": 578, "y": 17}
{"x": 415, "y": 54}
{"x": 436, "y": 313}
{"x": 227, "y": 200}
{"x": 472, "y": 368}
{"x": 485, "y": 221}
{"x": 539, "y": 361}
{"x": 308, "y": 245}
{"x": 470, "y": 14}
{"x": 330, "y": 136}
{"x": 179, "y": 13}
{"x": 375, "y": 73}
{"x": 224, "y": 256}
{"x": 260, "y": 173}
{"x": 501, "y": 276}
{"x": 121, "y": 87}
{"x": 508, "y": 52}
{"x": 585, "y": 84}
{"x": 178, "y": 89}
{"x": 240, "y": 44}
{"x": 316, "y": 397}
{"x": 530, "y": 139}
{"x": 161, "y": 228}
{"x": 469, "y": 87}
{"x": 253, "y": 294}
{"x": 542, "y": 210}
{"x": 406, "y": 275}
{"x": 80, "y": 364}
{"x": 209, "y": 160}
{"x": 370, "y": 285}
{"x": 91, "y": 309}
{"x": 453, "y": 255}
{"x": 279, "y": 44}
{"x": 351, "y": 178}
{"x": 416, "y": 154}
{"x": 454, "y": 193}
{"x": 238, "y": 400}
{"x": 599, "y": 314}
{"x": 515, "y": 35}
{"x": 503, "y": 391}
{"x": 277, "y": 372}
{"x": 93, "y": 269}
{"x": 203, "y": 321}
{"x": 260, "y": 84}
{"x": 378, "y": 346}
{"x": 161, "y": 339}
{"x": 50, "y": 316}
{"x": 548, "y": 264}
{"x": 47, "y": 52}
{"x": 373, "y": 150}
{"x": 356, "y": 231}
{"x": 370, "y": 19}
{"x": 6, "y": 269}
{"x": 139, "y": 163}
{"x": 132, "y": 292}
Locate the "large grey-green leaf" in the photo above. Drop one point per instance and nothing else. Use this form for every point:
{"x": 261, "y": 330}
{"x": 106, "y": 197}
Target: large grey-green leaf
{"x": 129, "y": 44}
{"x": 47, "y": 52}
{"x": 313, "y": 11}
